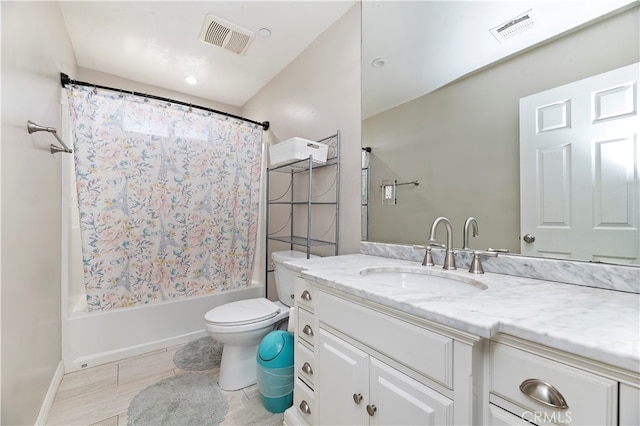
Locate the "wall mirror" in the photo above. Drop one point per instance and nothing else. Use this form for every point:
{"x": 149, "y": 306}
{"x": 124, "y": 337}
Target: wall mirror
{"x": 441, "y": 86}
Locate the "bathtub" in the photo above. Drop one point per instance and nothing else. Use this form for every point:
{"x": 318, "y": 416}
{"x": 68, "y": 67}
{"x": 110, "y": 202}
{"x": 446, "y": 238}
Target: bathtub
{"x": 90, "y": 339}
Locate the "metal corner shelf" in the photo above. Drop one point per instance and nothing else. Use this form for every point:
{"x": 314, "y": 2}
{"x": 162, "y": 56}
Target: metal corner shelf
{"x": 308, "y": 167}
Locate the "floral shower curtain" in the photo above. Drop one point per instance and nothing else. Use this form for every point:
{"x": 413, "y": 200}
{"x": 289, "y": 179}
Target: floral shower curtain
{"x": 168, "y": 198}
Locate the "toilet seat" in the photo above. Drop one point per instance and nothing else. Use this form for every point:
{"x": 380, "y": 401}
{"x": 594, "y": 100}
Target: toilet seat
{"x": 242, "y": 312}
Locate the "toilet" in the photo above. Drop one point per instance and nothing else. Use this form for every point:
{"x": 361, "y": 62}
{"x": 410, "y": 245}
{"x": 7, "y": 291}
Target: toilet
{"x": 241, "y": 325}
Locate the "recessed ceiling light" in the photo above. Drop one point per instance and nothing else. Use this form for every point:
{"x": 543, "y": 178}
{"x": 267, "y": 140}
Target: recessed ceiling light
{"x": 378, "y": 62}
{"x": 264, "y": 32}
{"x": 190, "y": 79}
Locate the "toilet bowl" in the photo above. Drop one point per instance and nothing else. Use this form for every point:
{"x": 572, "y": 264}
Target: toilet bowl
{"x": 241, "y": 325}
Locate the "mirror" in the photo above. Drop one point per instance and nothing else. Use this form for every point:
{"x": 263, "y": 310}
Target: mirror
{"x": 450, "y": 121}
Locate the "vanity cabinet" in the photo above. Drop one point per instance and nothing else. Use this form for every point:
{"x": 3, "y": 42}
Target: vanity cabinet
{"x": 358, "y": 362}
{"x": 361, "y": 362}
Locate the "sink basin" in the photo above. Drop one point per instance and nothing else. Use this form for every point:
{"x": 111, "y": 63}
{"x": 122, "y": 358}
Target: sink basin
{"x": 425, "y": 279}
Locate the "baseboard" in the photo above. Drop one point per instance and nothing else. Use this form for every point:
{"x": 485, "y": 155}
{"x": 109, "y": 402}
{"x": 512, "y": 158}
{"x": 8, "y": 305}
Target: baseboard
{"x": 45, "y": 409}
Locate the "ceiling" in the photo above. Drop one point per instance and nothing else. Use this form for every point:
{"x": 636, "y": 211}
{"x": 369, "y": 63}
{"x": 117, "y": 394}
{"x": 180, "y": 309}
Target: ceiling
{"x": 428, "y": 44}
{"x": 157, "y": 42}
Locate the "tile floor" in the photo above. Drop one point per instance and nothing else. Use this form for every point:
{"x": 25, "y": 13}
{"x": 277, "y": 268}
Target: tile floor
{"x": 101, "y": 395}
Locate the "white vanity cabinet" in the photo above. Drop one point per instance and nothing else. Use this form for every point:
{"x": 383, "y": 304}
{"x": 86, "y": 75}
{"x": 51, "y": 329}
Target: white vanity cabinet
{"x": 358, "y": 362}
{"x": 361, "y": 362}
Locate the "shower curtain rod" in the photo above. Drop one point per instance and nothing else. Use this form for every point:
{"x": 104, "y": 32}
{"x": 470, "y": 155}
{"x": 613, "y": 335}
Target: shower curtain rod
{"x": 64, "y": 80}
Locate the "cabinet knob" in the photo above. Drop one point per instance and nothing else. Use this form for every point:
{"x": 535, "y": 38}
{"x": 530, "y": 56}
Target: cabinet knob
{"x": 307, "y": 368}
{"x": 544, "y": 393}
{"x": 371, "y": 409}
{"x": 529, "y": 238}
{"x": 305, "y": 295}
{"x": 304, "y": 407}
{"x": 307, "y": 330}
{"x": 357, "y": 398}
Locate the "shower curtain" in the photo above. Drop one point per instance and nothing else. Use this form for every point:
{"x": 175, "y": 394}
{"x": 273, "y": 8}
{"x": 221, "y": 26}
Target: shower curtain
{"x": 168, "y": 198}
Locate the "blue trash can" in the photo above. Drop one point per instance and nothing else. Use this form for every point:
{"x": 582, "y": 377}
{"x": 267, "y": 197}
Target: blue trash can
{"x": 275, "y": 370}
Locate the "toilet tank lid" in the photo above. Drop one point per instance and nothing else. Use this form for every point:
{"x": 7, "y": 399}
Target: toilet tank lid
{"x": 242, "y": 312}
{"x": 284, "y": 256}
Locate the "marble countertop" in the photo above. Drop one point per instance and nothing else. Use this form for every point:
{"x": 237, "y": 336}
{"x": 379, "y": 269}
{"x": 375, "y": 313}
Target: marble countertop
{"x": 603, "y": 325}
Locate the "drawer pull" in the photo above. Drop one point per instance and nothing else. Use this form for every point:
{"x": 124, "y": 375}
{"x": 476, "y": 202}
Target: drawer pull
{"x": 544, "y": 393}
{"x": 371, "y": 409}
{"x": 304, "y": 407}
{"x": 305, "y": 295}
{"x": 357, "y": 398}
{"x": 307, "y": 368}
{"x": 307, "y": 330}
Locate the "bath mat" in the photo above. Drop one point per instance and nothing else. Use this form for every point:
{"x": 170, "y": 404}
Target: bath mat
{"x": 185, "y": 399}
{"x": 199, "y": 355}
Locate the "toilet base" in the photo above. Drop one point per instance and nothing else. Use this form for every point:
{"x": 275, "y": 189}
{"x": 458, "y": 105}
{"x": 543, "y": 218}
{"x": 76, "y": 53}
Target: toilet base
{"x": 238, "y": 367}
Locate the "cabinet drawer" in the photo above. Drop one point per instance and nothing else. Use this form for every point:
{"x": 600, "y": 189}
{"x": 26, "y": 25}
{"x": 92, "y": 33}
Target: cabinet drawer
{"x": 500, "y": 417}
{"x": 431, "y": 353}
{"x": 304, "y": 363}
{"x": 306, "y": 326}
{"x": 304, "y": 401}
{"x": 590, "y": 399}
{"x": 304, "y": 293}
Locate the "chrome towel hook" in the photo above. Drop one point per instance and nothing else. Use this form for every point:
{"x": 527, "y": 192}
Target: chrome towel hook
{"x": 33, "y": 127}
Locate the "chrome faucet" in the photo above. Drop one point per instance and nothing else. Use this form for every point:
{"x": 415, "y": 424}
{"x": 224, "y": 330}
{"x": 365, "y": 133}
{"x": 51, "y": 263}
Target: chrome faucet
{"x": 471, "y": 221}
{"x": 449, "y": 258}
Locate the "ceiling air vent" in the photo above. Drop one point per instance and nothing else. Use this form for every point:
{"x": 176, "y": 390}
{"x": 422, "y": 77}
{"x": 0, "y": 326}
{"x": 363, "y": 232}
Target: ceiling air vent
{"x": 513, "y": 26}
{"x": 218, "y": 32}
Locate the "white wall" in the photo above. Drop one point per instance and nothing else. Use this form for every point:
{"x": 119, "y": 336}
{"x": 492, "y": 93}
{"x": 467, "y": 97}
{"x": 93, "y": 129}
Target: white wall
{"x": 315, "y": 95}
{"x": 35, "y": 49}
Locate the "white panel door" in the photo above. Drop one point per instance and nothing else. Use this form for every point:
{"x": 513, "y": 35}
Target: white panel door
{"x": 579, "y": 166}
{"x": 342, "y": 389}
{"x": 401, "y": 400}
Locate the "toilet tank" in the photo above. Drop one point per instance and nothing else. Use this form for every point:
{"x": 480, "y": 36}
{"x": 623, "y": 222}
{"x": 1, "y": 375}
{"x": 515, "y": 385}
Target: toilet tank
{"x": 284, "y": 276}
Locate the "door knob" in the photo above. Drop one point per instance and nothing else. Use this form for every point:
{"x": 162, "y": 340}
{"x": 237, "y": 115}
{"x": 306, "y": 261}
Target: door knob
{"x": 529, "y": 238}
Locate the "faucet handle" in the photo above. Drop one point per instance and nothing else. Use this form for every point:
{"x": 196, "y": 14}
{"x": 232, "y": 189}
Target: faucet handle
{"x": 428, "y": 258}
{"x": 476, "y": 266}
{"x": 498, "y": 250}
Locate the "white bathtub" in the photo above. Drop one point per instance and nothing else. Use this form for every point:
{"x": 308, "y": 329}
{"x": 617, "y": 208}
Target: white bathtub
{"x": 90, "y": 339}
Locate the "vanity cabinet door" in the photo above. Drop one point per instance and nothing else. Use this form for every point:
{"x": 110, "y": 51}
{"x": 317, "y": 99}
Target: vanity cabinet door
{"x": 358, "y": 389}
{"x": 629, "y": 406}
{"x": 401, "y": 400}
{"x": 343, "y": 384}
